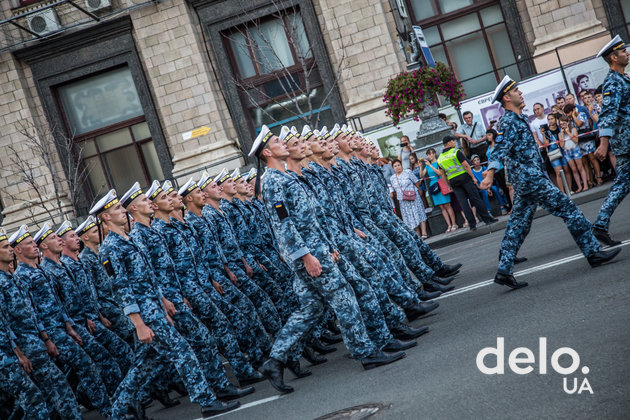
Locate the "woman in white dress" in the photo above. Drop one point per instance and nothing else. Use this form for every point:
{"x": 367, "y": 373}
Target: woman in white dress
{"x": 404, "y": 182}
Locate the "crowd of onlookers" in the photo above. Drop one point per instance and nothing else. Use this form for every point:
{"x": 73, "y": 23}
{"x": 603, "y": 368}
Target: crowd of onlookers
{"x": 566, "y": 135}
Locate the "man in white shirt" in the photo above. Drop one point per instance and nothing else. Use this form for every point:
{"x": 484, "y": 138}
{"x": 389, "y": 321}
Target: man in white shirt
{"x": 541, "y": 118}
{"x": 474, "y": 135}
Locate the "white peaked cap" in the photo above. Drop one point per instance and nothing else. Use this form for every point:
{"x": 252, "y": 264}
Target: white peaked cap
{"x": 167, "y": 186}
{"x": 285, "y": 133}
{"x": 154, "y": 190}
{"x": 613, "y": 45}
{"x": 260, "y": 141}
{"x": 502, "y": 88}
{"x": 222, "y": 177}
{"x": 204, "y": 180}
{"x": 104, "y": 203}
{"x": 131, "y": 194}
{"x": 64, "y": 228}
{"x": 43, "y": 233}
{"x": 187, "y": 188}
{"x": 87, "y": 224}
{"x": 19, "y": 235}
{"x": 236, "y": 174}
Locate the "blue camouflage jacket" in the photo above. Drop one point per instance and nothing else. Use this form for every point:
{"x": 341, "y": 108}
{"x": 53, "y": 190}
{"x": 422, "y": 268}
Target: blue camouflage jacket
{"x": 89, "y": 297}
{"x": 516, "y": 144}
{"x": 237, "y": 218}
{"x": 44, "y": 296}
{"x": 69, "y": 289}
{"x": 7, "y": 356}
{"x": 223, "y": 228}
{"x": 101, "y": 281}
{"x": 614, "y": 120}
{"x": 132, "y": 277}
{"x": 206, "y": 234}
{"x": 259, "y": 220}
{"x": 294, "y": 221}
{"x": 16, "y": 304}
{"x": 153, "y": 245}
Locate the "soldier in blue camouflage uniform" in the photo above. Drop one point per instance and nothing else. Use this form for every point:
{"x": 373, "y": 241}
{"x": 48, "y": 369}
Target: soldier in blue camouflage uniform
{"x": 154, "y": 247}
{"x": 142, "y": 300}
{"x": 516, "y": 145}
{"x": 236, "y": 262}
{"x": 215, "y": 265}
{"x": 41, "y": 293}
{"x": 318, "y": 281}
{"x": 186, "y": 269}
{"x": 88, "y": 232}
{"x": 14, "y": 379}
{"x": 80, "y": 294}
{"x": 28, "y": 333}
{"x": 614, "y": 124}
{"x": 69, "y": 292}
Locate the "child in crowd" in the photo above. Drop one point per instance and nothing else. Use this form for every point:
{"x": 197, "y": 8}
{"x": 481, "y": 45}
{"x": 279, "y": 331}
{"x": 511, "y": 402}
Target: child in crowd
{"x": 568, "y": 141}
{"x": 479, "y": 171}
{"x": 555, "y": 153}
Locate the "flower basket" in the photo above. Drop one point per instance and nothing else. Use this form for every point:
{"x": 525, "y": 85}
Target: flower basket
{"x": 405, "y": 92}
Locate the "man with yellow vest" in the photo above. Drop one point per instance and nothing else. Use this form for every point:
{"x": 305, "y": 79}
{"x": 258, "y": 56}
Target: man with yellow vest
{"x": 463, "y": 182}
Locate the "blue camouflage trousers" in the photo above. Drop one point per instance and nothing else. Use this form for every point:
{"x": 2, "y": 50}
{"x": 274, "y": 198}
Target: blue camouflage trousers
{"x": 50, "y": 380}
{"x": 222, "y": 330}
{"x": 90, "y": 381}
{"x": 106, "y": 364}
{"x": 169, "y": 345}
{"x": 549, "y": 197}
{"x": 14, "y": 381}
{"x": 616, "y": 194}
{"x": 203, "y": 344}
{"x": 116, "y": 346}
{"x": 263, "y": 303}
{"x": 313, "y": 295}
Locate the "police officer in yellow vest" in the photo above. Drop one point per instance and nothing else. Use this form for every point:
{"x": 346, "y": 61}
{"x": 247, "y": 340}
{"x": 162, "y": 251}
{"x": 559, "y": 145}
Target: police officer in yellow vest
{"x": 463, "y": 182}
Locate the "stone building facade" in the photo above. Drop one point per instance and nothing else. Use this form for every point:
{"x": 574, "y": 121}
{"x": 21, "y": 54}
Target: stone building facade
{"x": 124, "y": 80}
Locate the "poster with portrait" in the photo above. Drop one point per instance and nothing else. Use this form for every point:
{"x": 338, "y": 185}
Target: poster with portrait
{"x": 388, "y": 138}
{"x": 586, "y": 75}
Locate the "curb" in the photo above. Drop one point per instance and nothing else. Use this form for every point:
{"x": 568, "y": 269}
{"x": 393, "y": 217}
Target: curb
{"x": 442, "y": 240}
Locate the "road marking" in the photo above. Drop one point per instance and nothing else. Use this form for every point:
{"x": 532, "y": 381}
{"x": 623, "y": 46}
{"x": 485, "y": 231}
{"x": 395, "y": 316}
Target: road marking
{"x": 248, "y": 405}
{"x": 522, "y": 273}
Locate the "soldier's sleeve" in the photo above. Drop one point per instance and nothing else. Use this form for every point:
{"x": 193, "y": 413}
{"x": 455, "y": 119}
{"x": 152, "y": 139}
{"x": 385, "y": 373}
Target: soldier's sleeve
{"x": 503, "y": 144}
{"x": 611, "y": 101}
{"x": 287, "y": 235}
{"x": 115, "y": 266}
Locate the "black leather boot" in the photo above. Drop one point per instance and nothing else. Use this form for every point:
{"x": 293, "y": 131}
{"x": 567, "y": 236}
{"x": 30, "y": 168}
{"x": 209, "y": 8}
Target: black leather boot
{"x": 604, "y": 237}
{"x": 424, "y": 295}
{"x": 601, "y": 257}
{"x": 379, "y": 358}
{"x": 330, "y": 338}
{"x": 405, "y": 332}
{"x": 294, "y": 367}
{"x": 332, "y": 326}
{"x": 219, "y": 407}
{"x": 252, "y": 379}
{"x": 273, "y": 370}
{"x": 398, "y": 345}
{"x": 444, "y": 281}
{"x": 321, "y": 348}
{"x": 312, "y": 357}
{"x": 449, "y": 270}
{"x": 164, "y": 399}
{"x": 509, "y": 281}
{"x": 231, "y": 392}
{"x": 420, "y": 309}
{"x": 434, "y": 287}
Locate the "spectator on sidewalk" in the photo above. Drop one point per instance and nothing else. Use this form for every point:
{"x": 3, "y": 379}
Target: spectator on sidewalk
{"x": 433, "y": 172}
{"x": 499, "y": 175}
{"x": 568, "y": 142}
{"x": 540, "y": 120}
{"x": 451, "y": 124}
{"x": 417, "y": 168}
{"x": 586, "y": 140}
{"x": 405, "y": 151}
{"x": 479, "y": 171}
{"x": 411, "y": 209}
{"x": 462, "y": 181}
{"x": 550, "y": 135}
{"x": 474, "y": 136}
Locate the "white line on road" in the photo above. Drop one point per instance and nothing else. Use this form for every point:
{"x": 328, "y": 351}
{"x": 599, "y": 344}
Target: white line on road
{"x": 521, "y": 273}
{"x": 248, "y": 405}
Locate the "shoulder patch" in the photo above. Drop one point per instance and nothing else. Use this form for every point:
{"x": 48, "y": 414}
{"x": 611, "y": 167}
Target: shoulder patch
{"x": 108, "y": 268}
{"x": 281, "y": 211}
{"x": 606, "y": 100}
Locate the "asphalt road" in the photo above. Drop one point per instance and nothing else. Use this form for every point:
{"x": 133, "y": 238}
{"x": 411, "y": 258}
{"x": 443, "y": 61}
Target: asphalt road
{"x": 567, "y": 302}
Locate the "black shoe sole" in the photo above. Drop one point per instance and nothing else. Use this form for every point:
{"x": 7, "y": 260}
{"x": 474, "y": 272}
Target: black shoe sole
{"x": 603, "y": 261}
{"x": 511, "y": 285}
{"x": 606, "y": 241}
{"x": 421, "y": 331}
{"x": 215, "y": 412}
{"x": 369, "y": 366}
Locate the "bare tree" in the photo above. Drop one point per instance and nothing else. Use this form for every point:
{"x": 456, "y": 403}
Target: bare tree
{"x": 296, "y": 82}
{"x": 46, "y": 143}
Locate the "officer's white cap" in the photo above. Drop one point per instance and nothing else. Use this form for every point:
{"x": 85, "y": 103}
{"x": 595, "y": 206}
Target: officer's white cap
{"x": 131, "y": 194}
{"x": 222, "y": 177}
{"x": 64, "y": 228}
{"x": 204, "y": 180}
{"x": 502, "y": 88}
{"x": 236, "y": 174}
{"x": 285, "y": 134}
{"x": 87, "y": 224}
{"x": 19, "y": 235}
{"x": 251, "y": 174}
{"x": 323, "y": 132}
{"x": 307, "y": 132}
{"x": 261, "y": 140}
{"x": 167, "y": 187}
{"x": 613, "y": 45}
{"x": 104, "y": 203}
{"x": 154, "y": 190}
{"x": 336, "y": 130}
{"x": 43, "y": 233}
{"x": 294, "y": 131}
{"x": 187, "y": 188}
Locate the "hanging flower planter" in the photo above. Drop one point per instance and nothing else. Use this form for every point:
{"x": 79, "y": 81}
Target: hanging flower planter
{"x": 405, "y": 93}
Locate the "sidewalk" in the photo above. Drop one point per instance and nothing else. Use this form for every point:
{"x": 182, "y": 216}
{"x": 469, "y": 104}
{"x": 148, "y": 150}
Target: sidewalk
{"x": 462, "y": 234}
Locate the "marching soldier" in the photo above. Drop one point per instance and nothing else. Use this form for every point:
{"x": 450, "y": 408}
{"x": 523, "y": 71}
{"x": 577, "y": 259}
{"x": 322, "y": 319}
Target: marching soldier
{"x": 318, "y": 281}
{"x": 613, "y": 124}
{"x": 517, "y": 146}
{"x": 63, "y": 341}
